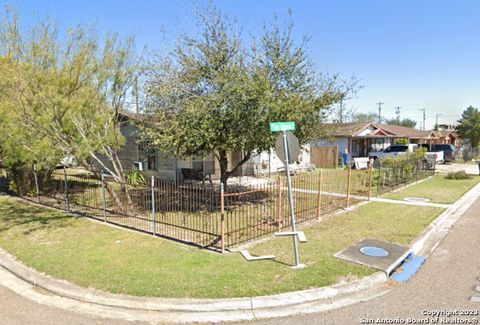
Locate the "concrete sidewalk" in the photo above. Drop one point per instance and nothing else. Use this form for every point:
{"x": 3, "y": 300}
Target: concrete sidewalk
{"x": 372, "y": 199}
{"x": 61, "y": 294}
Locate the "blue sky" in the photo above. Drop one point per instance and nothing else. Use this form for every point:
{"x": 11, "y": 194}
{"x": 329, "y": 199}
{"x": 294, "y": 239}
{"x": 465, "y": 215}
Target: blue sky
{"x": 409, "y": 53}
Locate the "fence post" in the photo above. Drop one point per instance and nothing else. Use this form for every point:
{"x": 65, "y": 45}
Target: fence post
{"x": 279, "y": 213}
{"x": 66, "y": 187}
{"x": 379, "y": 177}
{"x": 416, "y": 171}
{"x": 222, "y": 215}
{"x": 35, "y": 176}
{"x": 393, "y": 182}
{"x": 319, "y": 196}
{"x": 104, "y": 199}
{"x": 153, "y": 205}
{"x": 349, "y": 178}
{"x": 370, "y": 179}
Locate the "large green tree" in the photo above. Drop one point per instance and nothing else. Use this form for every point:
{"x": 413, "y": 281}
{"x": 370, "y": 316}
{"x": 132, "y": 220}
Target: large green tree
{"x": 369, "y": 117}
{"x": 60, "y": 95}
{"x": 469, "y": 126}
{"x": 409, "y": 123}
{"x": 217, "y": 95}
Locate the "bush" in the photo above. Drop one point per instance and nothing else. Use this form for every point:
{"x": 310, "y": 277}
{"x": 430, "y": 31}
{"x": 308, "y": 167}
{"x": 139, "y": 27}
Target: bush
{"x": 136, "y": 178}
{"x": 458, "y": 175}
{"x": 402, "y": 141}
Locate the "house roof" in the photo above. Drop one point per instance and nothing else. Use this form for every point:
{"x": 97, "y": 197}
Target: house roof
{"x": 344, "y": 129}
{"x": 403, "y": 131}
{"x": 134, "y": 116}
{"x": 445, "y": 133}
{"x": 378, "y": 130}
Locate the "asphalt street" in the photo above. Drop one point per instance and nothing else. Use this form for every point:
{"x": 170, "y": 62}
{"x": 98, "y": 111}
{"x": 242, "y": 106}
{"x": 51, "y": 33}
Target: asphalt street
{"x": 16, "y": 310}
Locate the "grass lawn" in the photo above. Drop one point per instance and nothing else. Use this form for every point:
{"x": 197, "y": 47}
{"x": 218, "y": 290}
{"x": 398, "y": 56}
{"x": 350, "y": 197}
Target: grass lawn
{"x": 94, "y": 255}
{"x": 438, "y": 189}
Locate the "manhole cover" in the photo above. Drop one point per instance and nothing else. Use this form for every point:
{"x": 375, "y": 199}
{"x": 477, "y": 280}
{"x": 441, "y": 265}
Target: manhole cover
{"x": 416, "y": 199}
{"x": 374, "y": 251}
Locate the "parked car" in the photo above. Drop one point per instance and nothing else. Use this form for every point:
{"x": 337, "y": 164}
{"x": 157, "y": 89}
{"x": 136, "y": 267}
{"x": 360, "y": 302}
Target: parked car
{"x": 393, "y": 151}
{"x": 449, "y": 151}
{"x": 432, "y": 157}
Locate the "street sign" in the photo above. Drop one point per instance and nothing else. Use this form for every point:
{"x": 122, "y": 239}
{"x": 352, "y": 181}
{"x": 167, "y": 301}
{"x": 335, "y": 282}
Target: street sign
{"x": 282, "y": 126}
{"x": 293, "y": 147}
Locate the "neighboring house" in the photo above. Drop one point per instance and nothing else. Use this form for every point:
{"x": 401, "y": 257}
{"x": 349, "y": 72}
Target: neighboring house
{"x": 358, "y": 139}
{"x": 449, "y": 137}
{"x": 361, "y": 138}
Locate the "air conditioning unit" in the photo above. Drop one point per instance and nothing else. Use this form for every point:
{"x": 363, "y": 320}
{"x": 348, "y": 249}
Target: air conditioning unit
{"x": 138, "y": 165}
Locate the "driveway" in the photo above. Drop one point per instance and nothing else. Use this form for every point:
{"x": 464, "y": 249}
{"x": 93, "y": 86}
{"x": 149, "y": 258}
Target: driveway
{"x": 468, "y": 168}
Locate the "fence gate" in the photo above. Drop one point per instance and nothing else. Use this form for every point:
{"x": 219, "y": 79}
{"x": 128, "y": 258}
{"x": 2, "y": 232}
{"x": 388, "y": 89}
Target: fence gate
{"x": 324, "y": 157}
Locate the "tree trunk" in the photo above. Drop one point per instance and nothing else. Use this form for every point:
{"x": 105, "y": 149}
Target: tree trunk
{"x": 224, "y": 172}
{"x": 125, "y": 206}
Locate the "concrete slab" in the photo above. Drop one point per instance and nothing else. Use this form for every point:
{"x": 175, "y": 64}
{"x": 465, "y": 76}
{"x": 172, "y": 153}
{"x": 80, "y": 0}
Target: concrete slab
{"x": 246, "y": 254}
{"x": 396, "y": 254}
{"x": 416, "y": 199}
{"x": 300, "y": 234}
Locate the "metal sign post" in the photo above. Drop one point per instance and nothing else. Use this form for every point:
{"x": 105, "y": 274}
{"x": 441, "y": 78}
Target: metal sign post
{"x": 284, "y": 127}
{"x": 290, "y": 198}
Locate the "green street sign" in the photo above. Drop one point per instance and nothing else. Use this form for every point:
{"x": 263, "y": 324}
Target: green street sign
{"x": 282, "y": 126}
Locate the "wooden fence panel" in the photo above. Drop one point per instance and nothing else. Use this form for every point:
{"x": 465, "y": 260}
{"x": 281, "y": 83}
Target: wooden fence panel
{"x": 324, "y": 157}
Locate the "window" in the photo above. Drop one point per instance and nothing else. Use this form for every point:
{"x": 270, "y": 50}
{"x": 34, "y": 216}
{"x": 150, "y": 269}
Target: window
{"x": 148, "y": 155}
{"x": 396, "y": 149}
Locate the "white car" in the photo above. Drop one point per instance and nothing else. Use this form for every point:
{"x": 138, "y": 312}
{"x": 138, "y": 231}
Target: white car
{"x": 401, "y": 149}
{"x": 393, "y": 151}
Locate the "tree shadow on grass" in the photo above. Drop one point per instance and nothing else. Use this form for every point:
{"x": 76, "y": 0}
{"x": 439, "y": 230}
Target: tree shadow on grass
{"x": 31, "y": 218}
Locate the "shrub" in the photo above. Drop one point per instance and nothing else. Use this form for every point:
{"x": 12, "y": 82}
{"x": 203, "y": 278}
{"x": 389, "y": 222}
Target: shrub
{"x": 136, "y": 178}
{"x": 458, "y": 175}
{"x": 402, "y": 141}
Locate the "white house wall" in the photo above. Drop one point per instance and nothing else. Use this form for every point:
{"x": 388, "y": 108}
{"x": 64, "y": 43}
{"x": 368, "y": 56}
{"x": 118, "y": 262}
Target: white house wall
{"x": 266, "y": 162}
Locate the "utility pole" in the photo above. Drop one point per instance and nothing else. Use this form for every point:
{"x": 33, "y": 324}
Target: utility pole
{"x": 424, "y": 118}
{"x": 340, "y": 113}
{"x": 397, "y": 112}
{"x": 135, "y": 89}
{"x": 380, "y": 112}
{"x": 436, "y": 120}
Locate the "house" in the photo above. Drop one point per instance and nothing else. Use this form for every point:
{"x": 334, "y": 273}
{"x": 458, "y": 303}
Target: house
{"x": 138, "y": 154}
{"x": 358, "y": 139}
{"x": 361, "y": 138}
{"x": 449, "y": 137}
{"x": 141, "y": 155}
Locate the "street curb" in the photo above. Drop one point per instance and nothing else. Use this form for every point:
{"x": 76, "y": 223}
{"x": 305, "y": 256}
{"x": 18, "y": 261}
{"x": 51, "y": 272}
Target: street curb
{"x": 185, "y": 310}
{"x": 106, "y": 304}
